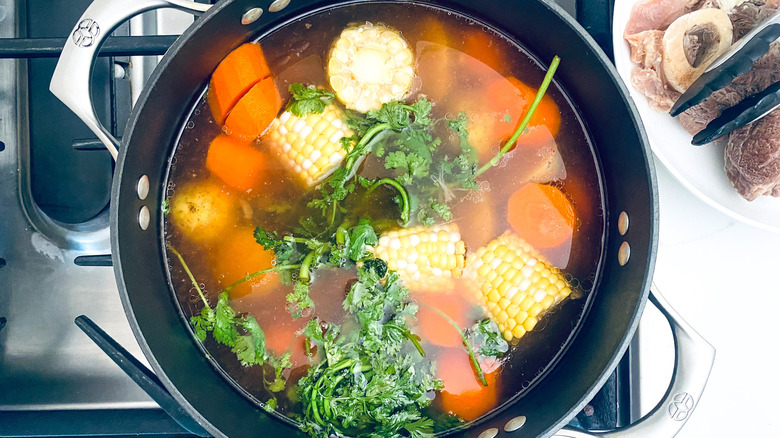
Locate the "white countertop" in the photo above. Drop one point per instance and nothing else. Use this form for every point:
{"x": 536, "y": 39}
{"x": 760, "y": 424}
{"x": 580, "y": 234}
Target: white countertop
{"x": 723, "y": 277}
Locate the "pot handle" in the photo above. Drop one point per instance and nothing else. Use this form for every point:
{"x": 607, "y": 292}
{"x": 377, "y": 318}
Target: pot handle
{"x": 71, "y": 79}
{"x": 693, "y": 363}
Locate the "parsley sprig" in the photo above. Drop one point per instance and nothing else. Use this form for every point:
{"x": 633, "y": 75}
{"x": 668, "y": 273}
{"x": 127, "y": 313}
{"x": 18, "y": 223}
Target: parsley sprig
{"x": 240, "y": 332}
{"x": 421, "y": 161}
{"x": 297, "y": 257}
{"x": 484, "y": 337}
{"x": 368, "y": 380}
{"x": 370, "y": 131}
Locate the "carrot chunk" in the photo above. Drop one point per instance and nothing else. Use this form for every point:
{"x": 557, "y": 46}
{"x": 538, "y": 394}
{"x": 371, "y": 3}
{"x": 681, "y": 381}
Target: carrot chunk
{"x": 433, "y": 327}
{"x": 282, "y": 337}
{"x": 541, "y": 214}
{"x": 463, "y": 395}
{"x": 497, "y": 109}
{"x": 234, "y": 76}
{"x": 236, "y": 162}
{"x": 480, "y": 45}
{"x": 513, "y": 98}
{"x": 239, "y": 255}
{"x": 255, "y": 111}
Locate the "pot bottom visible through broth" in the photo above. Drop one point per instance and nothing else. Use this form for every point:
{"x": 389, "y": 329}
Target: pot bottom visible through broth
{"x": 469, "y": 74}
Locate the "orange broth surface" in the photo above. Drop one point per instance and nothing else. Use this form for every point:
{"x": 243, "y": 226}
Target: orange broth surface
{"x": 460, "y": 66}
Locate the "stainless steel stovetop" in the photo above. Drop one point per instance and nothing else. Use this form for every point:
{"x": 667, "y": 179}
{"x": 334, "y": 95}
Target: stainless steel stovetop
{"x": 46, "y": 362}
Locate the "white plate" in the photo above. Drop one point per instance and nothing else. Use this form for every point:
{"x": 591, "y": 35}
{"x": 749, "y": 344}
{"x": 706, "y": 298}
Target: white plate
{"x": 698, "y": 168}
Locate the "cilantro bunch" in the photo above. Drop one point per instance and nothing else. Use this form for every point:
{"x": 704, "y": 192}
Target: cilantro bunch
{"x": 372, "y": 380}
{"x": 404, "y": 136}
{"x": 297, "y": 257}
{"x": 241, "y": 333}
{"x": 412, "y": 150}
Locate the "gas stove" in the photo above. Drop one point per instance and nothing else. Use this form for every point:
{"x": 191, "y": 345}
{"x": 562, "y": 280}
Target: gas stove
{"x": 55, "y": 183}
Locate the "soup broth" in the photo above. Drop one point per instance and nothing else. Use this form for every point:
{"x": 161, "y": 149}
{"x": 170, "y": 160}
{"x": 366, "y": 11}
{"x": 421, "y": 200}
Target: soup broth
{"x": 470, "y": 75}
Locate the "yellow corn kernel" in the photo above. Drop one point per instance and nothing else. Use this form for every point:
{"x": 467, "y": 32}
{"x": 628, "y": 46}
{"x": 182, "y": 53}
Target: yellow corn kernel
{"x": 370, "y": 65}
{"x": 527, "y": 302}
{"x": 535, "y": 310}
{"x": 515, "y": 283}
{"x": 310, "y": 147}
{"x": 422, "y": 255}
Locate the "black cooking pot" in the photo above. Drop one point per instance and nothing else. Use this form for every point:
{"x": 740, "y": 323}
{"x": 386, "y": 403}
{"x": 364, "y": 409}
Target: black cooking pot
{"x": 156, "y": 122}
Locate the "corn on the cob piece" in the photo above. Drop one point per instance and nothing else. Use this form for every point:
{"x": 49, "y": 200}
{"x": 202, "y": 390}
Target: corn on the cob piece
{"x": 515, "y": 283}
{"x": 427, "y": 259}
{"x": 370, "y": 65}
{"x": 310, "y": 146}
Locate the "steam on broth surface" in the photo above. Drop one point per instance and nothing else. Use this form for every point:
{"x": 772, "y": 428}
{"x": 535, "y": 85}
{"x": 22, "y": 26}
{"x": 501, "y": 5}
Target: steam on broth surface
{"x": 466, "y": 223}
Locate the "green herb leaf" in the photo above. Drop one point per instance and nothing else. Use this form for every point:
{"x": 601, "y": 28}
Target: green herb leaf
{"x": 443, "y": 210}
{"x": 279, "y": 363}
{"x": 422, "y": 112}
{"x": 203, "y": 323}
{"x": 395, "y": 113}
{"x": 250, "y": 348}
{"x": 459, "y": 125}
{"x": 241, "y": 333}
{"x": 486, "y": 339}
{"x": 225, "y": 331}
{"x": 270, "y": 404}
{"x": 376, "y": 267}
{"x": 272, "y": 242}
{"x": 308, "y": 100}
{"x": 363, "y": 234}
{"x": 299, "y": 299}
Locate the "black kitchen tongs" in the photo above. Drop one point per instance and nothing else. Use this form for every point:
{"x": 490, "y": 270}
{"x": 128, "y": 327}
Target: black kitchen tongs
{"x": 736, "y": 61}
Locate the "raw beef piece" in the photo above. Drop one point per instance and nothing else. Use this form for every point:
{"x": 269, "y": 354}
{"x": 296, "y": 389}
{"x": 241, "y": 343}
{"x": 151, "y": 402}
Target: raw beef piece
{"x": 647, "y": 78}
{"x": 753, "y": 158}
{"x": 646, "y": 48}
{"x": 657, "y": 14}
{"x": 660, "y": 95}
{"x": 765, "y": 72}
{"x": 749, "y": 14}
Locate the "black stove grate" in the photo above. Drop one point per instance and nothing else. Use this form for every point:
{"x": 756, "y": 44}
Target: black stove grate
{"x": 54, "y": 129}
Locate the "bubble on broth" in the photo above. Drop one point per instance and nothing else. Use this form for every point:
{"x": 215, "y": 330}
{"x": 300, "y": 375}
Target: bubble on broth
{"x": 416, "y": 85}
